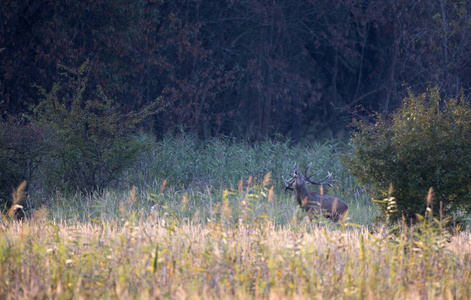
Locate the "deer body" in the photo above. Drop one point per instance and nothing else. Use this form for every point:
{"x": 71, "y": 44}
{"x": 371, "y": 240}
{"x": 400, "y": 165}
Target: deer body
{"x": 313, "y": 202}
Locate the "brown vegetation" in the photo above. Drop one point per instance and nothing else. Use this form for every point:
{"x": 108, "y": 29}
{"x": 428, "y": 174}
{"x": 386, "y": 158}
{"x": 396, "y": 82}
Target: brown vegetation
{"x": 157, "y": 258}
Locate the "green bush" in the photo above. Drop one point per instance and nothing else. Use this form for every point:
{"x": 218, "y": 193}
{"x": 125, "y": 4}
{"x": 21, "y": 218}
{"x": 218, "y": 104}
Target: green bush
{"x": 426, "y": 143}
{"x": 90, "y": 140}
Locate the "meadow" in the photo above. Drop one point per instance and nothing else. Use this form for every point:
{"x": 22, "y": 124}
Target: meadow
{"x": 211, "y": 220}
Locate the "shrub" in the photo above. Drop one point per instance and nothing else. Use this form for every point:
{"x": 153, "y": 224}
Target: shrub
{"x": 425, "y": 143}
{"x": 90, "y": 140}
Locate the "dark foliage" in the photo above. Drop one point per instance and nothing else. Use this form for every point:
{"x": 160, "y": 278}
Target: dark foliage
{"x": 21, "y": 151}
{"x": 250, "y": 69}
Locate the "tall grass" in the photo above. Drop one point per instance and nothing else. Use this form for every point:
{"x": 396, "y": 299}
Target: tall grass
{"x": 221, "y": 164}
{"x": 185, "y": 161}
{"x": 211, "y": 220}
{"x": 168, "y": 256}
{"x": 202, "y": 171}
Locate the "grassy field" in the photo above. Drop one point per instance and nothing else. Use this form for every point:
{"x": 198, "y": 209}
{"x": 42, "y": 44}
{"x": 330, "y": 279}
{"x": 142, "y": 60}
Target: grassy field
{"x": 221, "y": 227}
{"x": 165, "y": 256}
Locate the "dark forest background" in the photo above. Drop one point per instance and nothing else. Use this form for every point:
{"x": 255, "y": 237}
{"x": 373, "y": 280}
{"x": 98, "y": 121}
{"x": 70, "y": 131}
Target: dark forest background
{"x": 250, "y": 69}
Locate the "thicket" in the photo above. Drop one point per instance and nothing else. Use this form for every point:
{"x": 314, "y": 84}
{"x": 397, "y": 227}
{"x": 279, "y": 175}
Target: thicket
{"x": 424, "y": 144}
{"x": 90, "y": 140}
{"x": 75, "y": 139}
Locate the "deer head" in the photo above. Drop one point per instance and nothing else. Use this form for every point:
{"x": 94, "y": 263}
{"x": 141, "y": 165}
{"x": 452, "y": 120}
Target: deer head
{"x": 298, "y": 179}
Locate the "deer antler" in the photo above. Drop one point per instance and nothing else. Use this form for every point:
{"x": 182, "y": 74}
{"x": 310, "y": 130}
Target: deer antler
{"x": 305, "y": 173}
{"x": 288, "y": 183}
{"x": 307, "y": 168}
{"x": 327, "y": 180}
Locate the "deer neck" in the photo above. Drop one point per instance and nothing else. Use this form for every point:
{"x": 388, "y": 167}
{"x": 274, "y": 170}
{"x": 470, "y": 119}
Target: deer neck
{"x": 301, "y": 194}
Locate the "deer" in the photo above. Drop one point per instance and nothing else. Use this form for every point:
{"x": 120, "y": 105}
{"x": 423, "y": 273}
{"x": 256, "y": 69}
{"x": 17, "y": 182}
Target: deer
{"x": 312, "y": 202}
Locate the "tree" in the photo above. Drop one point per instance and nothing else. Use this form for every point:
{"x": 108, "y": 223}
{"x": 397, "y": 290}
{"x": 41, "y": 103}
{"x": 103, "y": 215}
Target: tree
{"x": 244, "y": 68}
{"x": 90, "y": 142}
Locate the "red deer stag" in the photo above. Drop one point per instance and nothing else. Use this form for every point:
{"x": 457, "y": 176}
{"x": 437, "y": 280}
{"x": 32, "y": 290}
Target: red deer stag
{"x": 329, "y": 206}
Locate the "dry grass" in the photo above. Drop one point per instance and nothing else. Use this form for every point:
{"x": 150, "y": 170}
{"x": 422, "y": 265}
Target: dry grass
{"x": 246, "y": 243}
{"x": 168, "y": 257}
{"x": 204, "y": 242}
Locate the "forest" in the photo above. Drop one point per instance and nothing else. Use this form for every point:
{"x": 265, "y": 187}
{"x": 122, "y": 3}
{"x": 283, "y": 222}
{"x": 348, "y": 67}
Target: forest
{"x": 247, "y": 69}
{"x": 234, "y": 149}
